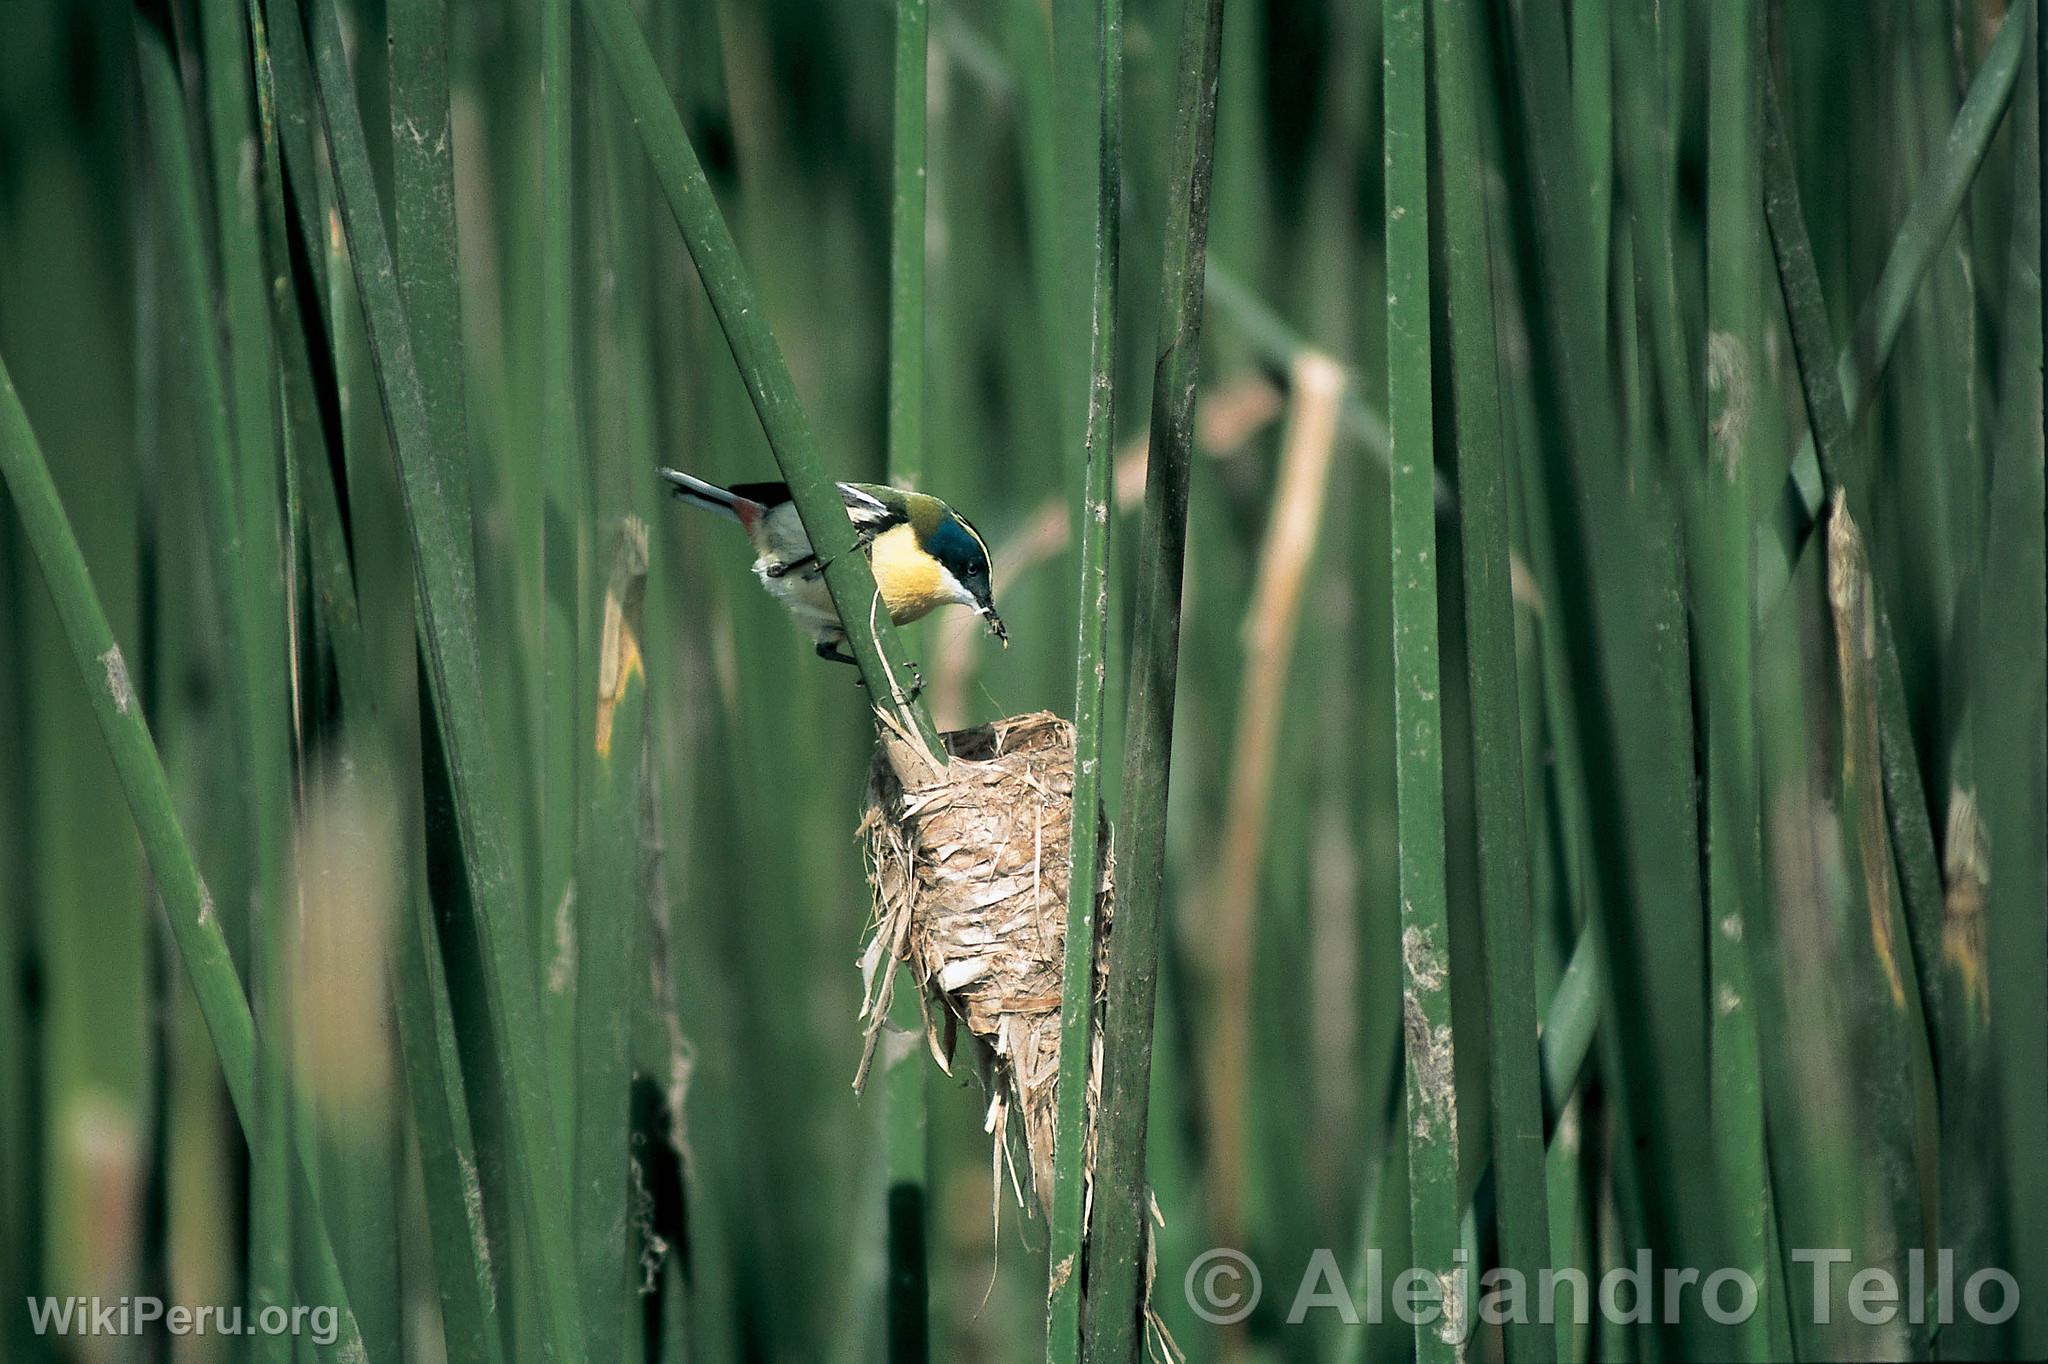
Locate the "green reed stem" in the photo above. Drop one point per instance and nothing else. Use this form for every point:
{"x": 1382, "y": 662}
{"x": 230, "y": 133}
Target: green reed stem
{"x": 1614, "y": 547}
{"x": 908, "y": 1290}
{"x": 1726, "y": 632}
{"x": 1432, "y": 1095}
{"x": 195, "y": 928}
{"x": 447, "y": 622}
{"x": 1914, "y": 250}
{"x": 1506, "y": 907}
{"x": 608, "y": 962}
{"x": 1828, "y": 419}
{"x": 220, "y": 500}
{"x": 423, "y": 243}
{"x": 907, "y": 196}
{"x": 239, "y": 468}
{"x": 461, "y": 1243}
{"x": 884, "y": 667}
{"x": 2012, "y": 749}
{"x": 1592, "y": 41}
{"x": 1918, "y": 1024}
{"x": 565, "y": 514}
{"x": 1563, "y": 1043}
{"x": 1092, "y": 518}
{"x": 1115, "y": 1329}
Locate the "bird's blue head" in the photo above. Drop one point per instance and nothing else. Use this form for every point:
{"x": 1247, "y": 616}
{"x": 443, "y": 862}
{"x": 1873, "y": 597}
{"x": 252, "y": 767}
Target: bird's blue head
{"x": 961, "y": 551}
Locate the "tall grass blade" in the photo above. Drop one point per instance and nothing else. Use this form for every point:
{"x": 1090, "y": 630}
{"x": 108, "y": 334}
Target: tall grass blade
{"x": 1905, "y": 798}
{"x": 1739, "y": 847}
{"x": 21, "y": 1024}
{"x": 607, "y": 981}
{"x": 908, "y": 1198}
{"x": 1565, "y": 1039}
{"x": 467, "y": 1272}
{"x": 1115, "y": 1328}
{"x": 564, "y": 513}
{"x": 1616, "y": 560}
{"x": 1074, "y": 137}
{"x": 1658, "y": 348}
{"x": 1592, "y": 40}
{"x": 423, "y": 242}
{"x": 426, "y": 1030}
{"x": 220, "y": 488}
{"x": 1432, "y": 1093}
{"x": 907, "y": 1292}
{"x": 1726, "y": 480}
{"x": 2012, "y": 758}
{"x": 1914, "y": 250}
{"x": 1884, "y": 1026}
{"x": 195, "y": 926}
{"x": 239, "y": 463}
{"x": 1026, "y": 43}
{"x": 909, "y": 171}
{"x": 884, "y": 667}
{"x": 1506, "y": 907}
{"x": 448, "y": 631}
{"x": 1092, "y": 519}
{"x": 1889, "y": 804}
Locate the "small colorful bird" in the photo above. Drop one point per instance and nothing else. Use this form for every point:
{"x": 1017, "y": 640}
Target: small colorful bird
{"x": 925, "y": 555}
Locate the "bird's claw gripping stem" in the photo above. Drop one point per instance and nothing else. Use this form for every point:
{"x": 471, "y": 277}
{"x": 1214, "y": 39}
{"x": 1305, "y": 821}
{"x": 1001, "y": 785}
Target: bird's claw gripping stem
{"x": 828, "y": 650}
{"x": 902, "y": 699}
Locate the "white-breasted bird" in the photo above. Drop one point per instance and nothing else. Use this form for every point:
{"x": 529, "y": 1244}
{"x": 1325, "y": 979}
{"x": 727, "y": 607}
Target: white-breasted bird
{"x": 924, "y": 554}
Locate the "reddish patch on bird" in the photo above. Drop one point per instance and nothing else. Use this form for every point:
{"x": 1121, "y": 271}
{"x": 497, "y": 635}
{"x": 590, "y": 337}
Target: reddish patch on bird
{"x": 749, "y": 512}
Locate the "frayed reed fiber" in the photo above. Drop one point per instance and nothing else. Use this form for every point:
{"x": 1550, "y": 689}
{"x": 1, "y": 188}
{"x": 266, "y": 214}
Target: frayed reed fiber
{"x": 969, "y": 867}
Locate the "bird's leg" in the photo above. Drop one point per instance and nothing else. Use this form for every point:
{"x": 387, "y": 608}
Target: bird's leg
{"x": 831, "y": 652}
{"x": 811, "y": 562}
{"x": 827, "y": 649}
{"x": 916, "y": 685}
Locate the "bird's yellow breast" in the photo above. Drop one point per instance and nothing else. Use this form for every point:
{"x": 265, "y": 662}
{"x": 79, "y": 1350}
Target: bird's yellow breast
{"x": 912, "y": 583}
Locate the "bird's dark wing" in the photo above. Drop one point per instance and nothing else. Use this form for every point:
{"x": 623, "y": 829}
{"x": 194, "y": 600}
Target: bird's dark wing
{"x": 767, "y": 494}
{"x": 871, "y": 513}
{"x": 871, "y": 507}
{"x": 872, "y": 510}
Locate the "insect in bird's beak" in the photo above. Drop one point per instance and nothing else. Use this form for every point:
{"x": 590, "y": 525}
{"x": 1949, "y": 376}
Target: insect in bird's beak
{"x": 995, "y": 625}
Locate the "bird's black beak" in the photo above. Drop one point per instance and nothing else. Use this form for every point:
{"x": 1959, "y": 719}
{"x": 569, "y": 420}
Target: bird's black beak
{"x": 995, "y": 623}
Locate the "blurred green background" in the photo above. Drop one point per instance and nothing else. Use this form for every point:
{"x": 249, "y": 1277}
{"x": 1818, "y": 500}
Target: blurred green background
{"x": 1890, "y": 1117}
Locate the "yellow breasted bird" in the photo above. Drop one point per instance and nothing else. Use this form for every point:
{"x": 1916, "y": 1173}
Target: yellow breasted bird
{"x": 924, "y": 554}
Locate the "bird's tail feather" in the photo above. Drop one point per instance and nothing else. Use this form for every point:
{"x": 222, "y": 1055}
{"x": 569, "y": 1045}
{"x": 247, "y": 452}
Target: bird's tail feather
{"x": 711, "y": 497}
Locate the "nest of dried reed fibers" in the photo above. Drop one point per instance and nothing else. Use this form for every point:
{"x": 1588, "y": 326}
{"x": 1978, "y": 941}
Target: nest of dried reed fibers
{"x": 969, "y": 867}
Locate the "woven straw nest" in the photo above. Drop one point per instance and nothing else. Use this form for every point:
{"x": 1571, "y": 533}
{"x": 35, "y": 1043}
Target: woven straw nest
{"x": 969, "y": 867}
